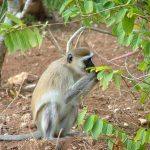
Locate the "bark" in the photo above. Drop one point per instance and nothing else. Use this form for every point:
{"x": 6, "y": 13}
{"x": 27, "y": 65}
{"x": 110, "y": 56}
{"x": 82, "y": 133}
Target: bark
{"x": 13, "y": 7}
{"x": 2, "y": 57}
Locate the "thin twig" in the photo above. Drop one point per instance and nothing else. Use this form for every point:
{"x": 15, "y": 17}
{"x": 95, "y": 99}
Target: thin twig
{"x": 130, "y": 91}
{"x": 51, "y": 37}
{"x": 135, "y": 78}
{"x": 92, "y": 14}
{"x": 124, "y": 55}
{"x": 58, "y": 138}
{"x": 14, "y": 98}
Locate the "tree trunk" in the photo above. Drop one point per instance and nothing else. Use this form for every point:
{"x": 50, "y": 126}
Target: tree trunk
{"x": 2, "y": 57}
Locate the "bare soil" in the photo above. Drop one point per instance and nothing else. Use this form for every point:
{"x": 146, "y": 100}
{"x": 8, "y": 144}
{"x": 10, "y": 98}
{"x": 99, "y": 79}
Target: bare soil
{"x": 118, "y": 107}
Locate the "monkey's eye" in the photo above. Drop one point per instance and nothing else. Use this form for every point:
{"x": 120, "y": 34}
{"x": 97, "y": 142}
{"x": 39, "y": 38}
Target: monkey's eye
{"x": 69, "y": 58}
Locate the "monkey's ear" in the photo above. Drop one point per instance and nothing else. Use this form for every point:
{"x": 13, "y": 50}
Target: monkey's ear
{"x": 69, "y": 58}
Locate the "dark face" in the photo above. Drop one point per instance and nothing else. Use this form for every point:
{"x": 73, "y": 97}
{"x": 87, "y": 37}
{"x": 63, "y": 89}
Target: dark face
{"x": 88, "y": 63}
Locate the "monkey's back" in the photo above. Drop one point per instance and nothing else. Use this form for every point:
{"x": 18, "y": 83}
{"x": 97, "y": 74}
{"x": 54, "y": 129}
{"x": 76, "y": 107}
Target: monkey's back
{"x": 51, "y": 86}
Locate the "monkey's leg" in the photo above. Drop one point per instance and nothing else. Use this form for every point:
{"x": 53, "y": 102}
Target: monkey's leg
{"x": 67, "y": 122}
{"x": 49, "y": 120}
{"x": 81, "y": 87}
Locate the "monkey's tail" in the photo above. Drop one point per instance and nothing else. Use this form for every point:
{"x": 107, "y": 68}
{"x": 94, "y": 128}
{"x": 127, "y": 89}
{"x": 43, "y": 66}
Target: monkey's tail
{"x": 35, "y": 135}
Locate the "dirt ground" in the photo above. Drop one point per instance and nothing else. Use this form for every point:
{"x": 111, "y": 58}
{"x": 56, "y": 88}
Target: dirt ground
{"x": 120, "y": 108}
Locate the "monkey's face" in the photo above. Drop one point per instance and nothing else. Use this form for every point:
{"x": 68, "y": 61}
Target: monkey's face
{"x": 80, "y": 64}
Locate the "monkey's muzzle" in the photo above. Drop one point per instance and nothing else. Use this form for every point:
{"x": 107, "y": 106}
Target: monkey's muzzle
{"x": 88, "y": 63}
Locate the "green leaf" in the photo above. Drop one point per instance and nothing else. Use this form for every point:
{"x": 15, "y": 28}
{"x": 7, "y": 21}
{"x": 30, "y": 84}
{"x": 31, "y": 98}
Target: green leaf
{"x": 143, "y": 97}
{"x": 131, "y": 145}
{"x": 102, "y": 68}
{"x": 117, "y": 80}
{"x": 111, "y": 20}
{"x": 139, "y": 134}
{"x": 5, "y": 26}
{"x": 104, "y": 130}
{"x": 120, "y": 15}
{"x": 142, "y": 147}
{"x": 111, "y": 143}
{"x": 106, "y": 79}
{"x": 109, "y": 129}
{"x": 70, "y": 12}
{"x": 100, "y": 75}
{"x": 9, "y": 43}
{"x": 81, "y": 116}
{"x": 136, "y": 41}
{"x": 142, "y": 66}
{"x": 147, "y": 139}
{"x": 89, "y": 122}
{"x": 148, "y": 117}
{"x": 97, "y": 129}
{"x": 64, "y": 5}
{"x": 19, "y": 41}
{"x": 23, "y": 40}
{"x": 14, "y": 19}
{"x": 128, "y": 24}
{"x": 31, "y": 37}
{"x": 38, "y": 36}
{"x": 127, "y": 39}
{"x": 146, "y": 46}
{"x": 88, "y": 6}
{"x": 120, "y": 33}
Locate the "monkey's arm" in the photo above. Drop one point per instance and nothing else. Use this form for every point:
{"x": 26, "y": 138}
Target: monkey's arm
{"x": 19, "y": 137}
{"x": 81, "y": 87}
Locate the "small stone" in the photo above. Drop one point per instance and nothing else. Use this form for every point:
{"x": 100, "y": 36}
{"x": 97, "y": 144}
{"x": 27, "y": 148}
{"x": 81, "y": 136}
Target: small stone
{"x": 26, "y": 107}
{"x": 128, "y": 108}
{"x": 23, "y": 125}
{"x": 115, "y": 110}
{"x": 15, "y": 115}
{"x": 7, "y": 119}
{"x": 125, "y": 124}
{"x": 109, "y": 107}
{"x": 19, "y": 104}
{"x": 47, "y": 148}
{"x": 142, "y": 121}
{"x": 106, "y": 117}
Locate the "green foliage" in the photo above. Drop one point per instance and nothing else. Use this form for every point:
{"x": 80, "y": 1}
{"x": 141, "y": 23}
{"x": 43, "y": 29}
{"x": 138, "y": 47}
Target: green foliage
{"x": 106, "y": 74}
{"x": 18, "y": 36}
{"x": 22, "y": 39}
{"x": 97, "y": 127}
{"x": 53, "y": 5}
{"x": 81, "y": 116}
{"x": 14, "y": 19}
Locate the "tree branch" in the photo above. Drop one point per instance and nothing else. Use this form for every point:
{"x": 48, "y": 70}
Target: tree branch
{"x": 51, "y": 37}
{"x": 124, "y": 55}
{"x": 70, "y": 41}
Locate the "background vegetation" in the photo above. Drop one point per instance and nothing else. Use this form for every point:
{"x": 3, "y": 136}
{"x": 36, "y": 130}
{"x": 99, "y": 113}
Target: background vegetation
{"x": 129, "y": 21}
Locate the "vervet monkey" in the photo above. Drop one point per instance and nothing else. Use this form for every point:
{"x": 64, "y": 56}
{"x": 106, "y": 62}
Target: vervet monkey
{"x": 57, "y": 95}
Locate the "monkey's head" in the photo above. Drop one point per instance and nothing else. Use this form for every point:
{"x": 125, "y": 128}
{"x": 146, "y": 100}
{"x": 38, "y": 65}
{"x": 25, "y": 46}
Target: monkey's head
{"x": 79, "y": 59}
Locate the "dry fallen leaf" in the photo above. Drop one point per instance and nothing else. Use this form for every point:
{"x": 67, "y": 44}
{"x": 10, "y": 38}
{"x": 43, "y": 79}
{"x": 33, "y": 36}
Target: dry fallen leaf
{"x": 18, "y": 79}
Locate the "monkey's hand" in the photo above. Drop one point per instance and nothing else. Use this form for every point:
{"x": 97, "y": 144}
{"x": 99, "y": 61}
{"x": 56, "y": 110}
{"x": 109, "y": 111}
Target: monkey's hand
{"x": 81, "y": 87}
